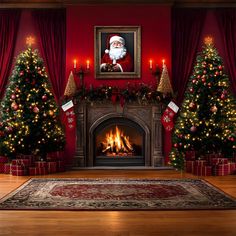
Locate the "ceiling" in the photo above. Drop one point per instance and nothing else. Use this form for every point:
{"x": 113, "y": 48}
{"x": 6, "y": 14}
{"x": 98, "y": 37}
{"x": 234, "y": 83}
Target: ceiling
{"x": 63, "y": 3}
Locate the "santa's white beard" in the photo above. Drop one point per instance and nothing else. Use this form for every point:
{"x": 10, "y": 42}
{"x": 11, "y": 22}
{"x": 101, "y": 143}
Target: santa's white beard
{"x": 117, "y": 53}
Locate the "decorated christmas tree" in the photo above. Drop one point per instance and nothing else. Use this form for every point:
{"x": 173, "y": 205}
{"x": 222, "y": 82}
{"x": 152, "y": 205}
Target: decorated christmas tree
{"x": 207, "y": 118}
{"x": 29, "y": 114}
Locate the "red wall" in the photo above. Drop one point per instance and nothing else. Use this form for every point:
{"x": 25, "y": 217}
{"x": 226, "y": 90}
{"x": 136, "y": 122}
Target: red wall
{"x": 155, "y": 36}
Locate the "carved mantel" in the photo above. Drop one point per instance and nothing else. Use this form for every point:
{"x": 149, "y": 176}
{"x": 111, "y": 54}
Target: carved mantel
{"x": 89, "y": 116}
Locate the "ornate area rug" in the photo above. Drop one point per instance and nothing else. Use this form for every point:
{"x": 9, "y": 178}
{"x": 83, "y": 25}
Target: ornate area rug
{"x": 116, "y": 194}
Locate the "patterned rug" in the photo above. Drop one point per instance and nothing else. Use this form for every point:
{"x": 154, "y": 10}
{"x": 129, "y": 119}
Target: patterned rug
{"x": 116, "y": 194}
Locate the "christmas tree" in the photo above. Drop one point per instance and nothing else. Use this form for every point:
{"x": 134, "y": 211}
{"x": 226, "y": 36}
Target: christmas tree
{"x": 29, "y": 114}
{"x": 207, "y": 118}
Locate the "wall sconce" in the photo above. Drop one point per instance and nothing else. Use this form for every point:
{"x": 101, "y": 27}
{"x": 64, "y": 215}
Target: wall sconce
{"x": 155, "y": 71}
{"x": 81, "y": 71}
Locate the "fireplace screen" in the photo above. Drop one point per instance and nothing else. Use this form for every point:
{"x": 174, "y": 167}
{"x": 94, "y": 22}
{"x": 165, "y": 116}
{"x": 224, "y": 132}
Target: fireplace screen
{"x": 119, "y": 143}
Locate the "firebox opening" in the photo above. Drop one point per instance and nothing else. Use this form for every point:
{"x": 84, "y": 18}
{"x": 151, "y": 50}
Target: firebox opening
{"x": 119, "y": 142}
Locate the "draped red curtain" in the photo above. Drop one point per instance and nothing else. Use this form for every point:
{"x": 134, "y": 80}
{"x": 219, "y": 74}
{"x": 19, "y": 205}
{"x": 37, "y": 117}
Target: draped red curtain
{"x": 9, "y": 23}
{"x": 187, "y": 26}
{"x": 226, "y": 19}
{"x": 51, "y": 27}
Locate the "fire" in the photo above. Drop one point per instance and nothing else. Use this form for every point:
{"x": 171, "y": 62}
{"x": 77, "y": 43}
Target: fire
{"x": 117, "y": 143}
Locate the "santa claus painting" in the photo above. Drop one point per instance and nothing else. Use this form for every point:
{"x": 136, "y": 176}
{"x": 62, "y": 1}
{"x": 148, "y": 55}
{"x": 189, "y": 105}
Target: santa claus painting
{"x": 116, "y": 57}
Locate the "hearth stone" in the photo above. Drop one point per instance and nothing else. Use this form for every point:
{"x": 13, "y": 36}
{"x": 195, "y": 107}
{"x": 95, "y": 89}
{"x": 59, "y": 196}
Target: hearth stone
{"x": 90, "y": 116}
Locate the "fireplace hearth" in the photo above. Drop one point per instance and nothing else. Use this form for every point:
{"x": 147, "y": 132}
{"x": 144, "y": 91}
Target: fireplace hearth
{"x": 109, "y": 135}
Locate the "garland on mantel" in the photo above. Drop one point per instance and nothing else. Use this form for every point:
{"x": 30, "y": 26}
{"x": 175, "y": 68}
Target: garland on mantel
{"x": 141, "y": 93}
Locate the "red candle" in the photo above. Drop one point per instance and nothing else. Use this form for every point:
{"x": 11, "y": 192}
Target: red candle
{"x": 75, "y": 63}
{"x": 87, "y": 64}
{"x": 150, "y": 64}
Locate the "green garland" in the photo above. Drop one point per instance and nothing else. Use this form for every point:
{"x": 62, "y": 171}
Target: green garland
{"x": 140, "y": 93}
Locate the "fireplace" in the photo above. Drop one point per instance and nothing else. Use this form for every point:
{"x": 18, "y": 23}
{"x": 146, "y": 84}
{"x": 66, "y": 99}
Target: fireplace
{"x": 119, "y": 142}
{"x": 111, "y": 135}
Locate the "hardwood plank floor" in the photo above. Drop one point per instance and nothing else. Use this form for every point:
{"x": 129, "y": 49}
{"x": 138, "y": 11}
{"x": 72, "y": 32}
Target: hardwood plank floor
{"x": 119, "y": 223}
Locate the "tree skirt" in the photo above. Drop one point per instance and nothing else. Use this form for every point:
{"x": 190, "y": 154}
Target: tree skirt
{"x": 116, "y": 194}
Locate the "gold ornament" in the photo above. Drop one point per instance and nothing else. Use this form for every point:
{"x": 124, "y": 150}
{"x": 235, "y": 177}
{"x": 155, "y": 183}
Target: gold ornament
{"x": 51, "y": 113}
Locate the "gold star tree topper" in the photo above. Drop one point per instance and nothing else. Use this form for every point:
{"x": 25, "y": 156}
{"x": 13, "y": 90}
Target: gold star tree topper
{"x": 208, "y": 40}
{"x": 30, "y": 41}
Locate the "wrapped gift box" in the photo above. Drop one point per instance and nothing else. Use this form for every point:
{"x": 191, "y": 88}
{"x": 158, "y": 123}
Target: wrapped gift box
{"x": 2, "y": 167}
{"x": 41, "y": 164}
{"x": 3, "y": 159}
{"x": 55, "y": 156}
{"x": 19, "y": 172}
{"x": 221, "y": 169}
{"x": 42, "y": 170}
{"x": 190, "y": 166}
{"x": 7, "y": 168}
{"x": 200, "y": 162}
{"x": 217, "y": 161}
{"x": 33, "y": 171}
{"x": 203, "y": 170}
{"x": 52, "y": 166}
{"x": 23, "y": 162}
{"x": 232, "y": 168}
{"x": 190, "y": 155}
{"x": 60, "y": 166}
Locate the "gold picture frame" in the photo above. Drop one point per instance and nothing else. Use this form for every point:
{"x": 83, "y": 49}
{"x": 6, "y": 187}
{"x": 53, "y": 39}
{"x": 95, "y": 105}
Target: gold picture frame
{"x": 131, "y": 38}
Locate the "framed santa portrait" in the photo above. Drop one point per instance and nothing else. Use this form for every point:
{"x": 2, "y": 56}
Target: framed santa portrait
{"x": 117, "y": 52}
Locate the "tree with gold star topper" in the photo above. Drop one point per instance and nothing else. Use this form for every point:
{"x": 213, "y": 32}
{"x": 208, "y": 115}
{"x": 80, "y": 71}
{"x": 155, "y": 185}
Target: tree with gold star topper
{"x": 207, "y": 118}
{"x": 29, "y": 114}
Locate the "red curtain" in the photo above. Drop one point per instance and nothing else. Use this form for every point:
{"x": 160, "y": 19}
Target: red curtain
{"x": 51, "y": 27}
{"x": 226, "y": 19}
{"x": 9, "y": 23}
{"x": 187, "y": 26}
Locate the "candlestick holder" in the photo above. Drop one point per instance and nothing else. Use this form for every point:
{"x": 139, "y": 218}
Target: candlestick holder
{"x": 156, "y": 72}
{"x": 81, "y": 72}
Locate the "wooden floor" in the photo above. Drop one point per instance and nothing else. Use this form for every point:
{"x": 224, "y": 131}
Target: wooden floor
{"x": 118, "y": 223}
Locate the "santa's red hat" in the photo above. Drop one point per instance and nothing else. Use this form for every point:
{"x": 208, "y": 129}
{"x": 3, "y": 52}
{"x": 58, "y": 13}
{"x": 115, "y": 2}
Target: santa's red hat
{"x": 112, "y": 38}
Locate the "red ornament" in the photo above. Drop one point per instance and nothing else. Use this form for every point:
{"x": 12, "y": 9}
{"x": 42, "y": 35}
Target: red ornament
{"x": 220, "y": 67}
{"x": 194, "y": 81}
{"x": 21, "y": 73}
{"x": 191, "y": 90}
{"x": 204, "y": 72}
{"x": 44, "y": 98}
{"x": 14, "y": 106}
{"x": 223, "y": 96}
{"x": 1, "y": 133}
{"x": 175, "y": 145}
{"x": 217, "y": 73}
{"x": 203, "y": 79}
{"x": 13, "y": 96}
{"x": 35, "y": 110}
{"x": 214, "y": 108}
{"x": 192, "y": 106}
{"x": 209, "y": 85}
{"x": 193, "y": 129}
{"x": 199, "y": 76}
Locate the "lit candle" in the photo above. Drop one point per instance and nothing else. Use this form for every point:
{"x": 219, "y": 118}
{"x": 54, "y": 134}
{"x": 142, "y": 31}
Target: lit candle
{"x": 74, "y": 63}
{"x": 87, "y": 64}
{"x": 150, "y": 64}
{"x": 163, "y": 62}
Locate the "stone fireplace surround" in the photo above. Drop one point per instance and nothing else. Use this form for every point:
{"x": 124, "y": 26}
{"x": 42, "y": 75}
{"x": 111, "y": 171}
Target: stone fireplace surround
{"x": 90, "y": 116}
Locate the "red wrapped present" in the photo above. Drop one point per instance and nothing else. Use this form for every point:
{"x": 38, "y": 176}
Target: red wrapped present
{"x": 200, "y": 162}
{"x": 55, "y": 156}
{"x": 33, "y": 171}
{"x": 190, "y": 166}
{"x": 2, "y": 167}
{"x": 42, "y": 170}
{"x": 41, "y": 164}
{"x": 203, "y": 170}
{"x": 61, "y": 166}
{"x": 190, "y": 155}
{"x": 3, "y": 159}
{"x": 52, "y": 166}
{"x": 7, "y": 168}
{"x": 217, "y": 161}
{"x": 221, "y": 169}
{"x": 23, "y": 162}
{"x": 19, "y": 172}
{"x": 232, "y": 168}
{"x": 18, "y": 167}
